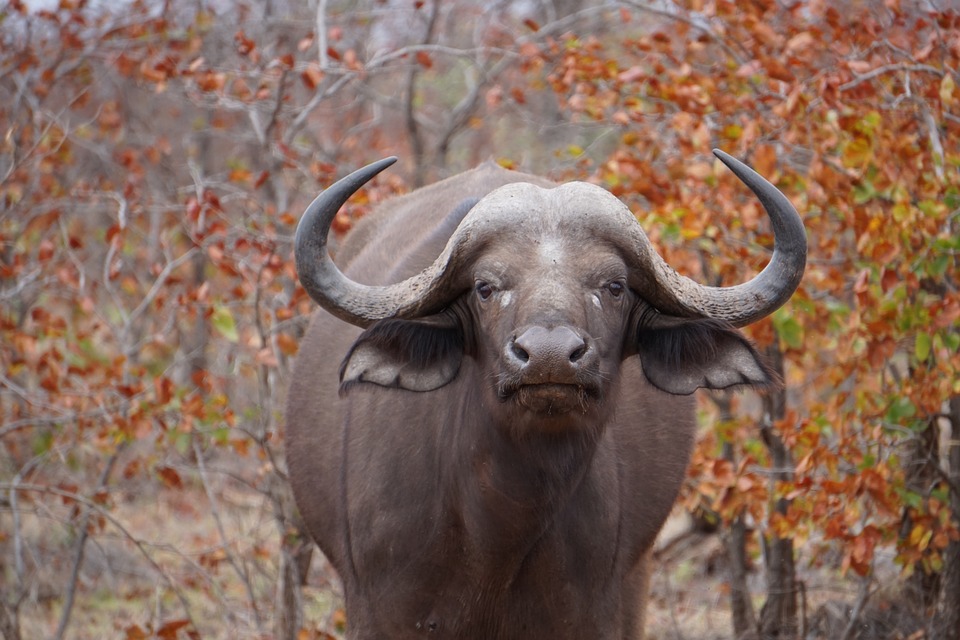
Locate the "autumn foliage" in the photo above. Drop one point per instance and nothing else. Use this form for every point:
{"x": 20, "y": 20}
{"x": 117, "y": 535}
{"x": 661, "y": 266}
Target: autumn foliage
{"x": 153, "y": 164}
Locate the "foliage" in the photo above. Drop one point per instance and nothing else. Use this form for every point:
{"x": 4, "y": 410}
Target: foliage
{"x": 154, "y": 162}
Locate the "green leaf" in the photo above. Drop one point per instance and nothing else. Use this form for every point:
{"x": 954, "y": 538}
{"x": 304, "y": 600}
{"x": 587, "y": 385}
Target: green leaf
{"x": 222, "y": 320}
{"x": 864, "y": 192}
{"x": 42, "y": 442}
{"x": 789, "y": 330}
{"x": 899, "y": 409}
{"x": 952, "y": 341}
{"x": 921, "y": 348}
{"x": 952, "y": 198}
{"x": 911, "y": 498}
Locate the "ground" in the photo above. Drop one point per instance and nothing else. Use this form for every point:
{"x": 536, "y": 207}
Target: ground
{"x": 132, "y": 591}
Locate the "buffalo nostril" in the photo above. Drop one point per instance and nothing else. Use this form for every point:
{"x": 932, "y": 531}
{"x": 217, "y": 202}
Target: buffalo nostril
{"x": 578, "y": 353}
{"x": 520, "y": 352}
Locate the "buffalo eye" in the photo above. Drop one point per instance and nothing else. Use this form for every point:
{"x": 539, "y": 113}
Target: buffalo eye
{"x": 616, "y": 288}
{"x": 484, "y": 290}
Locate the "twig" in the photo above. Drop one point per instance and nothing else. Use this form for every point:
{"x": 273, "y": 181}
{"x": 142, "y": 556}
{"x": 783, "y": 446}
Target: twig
{"x": 413, "y": 130}
{"x": 888, "y": 68}
{"x": 322, "y": 56}
{"x": 225, "y": 546}
{"x": 862, "y": 597}
{"x": 81, "y": 548}
{"x": 699, "y": 26}
{"x": 933, "y": 133}
{"x": 158, "y": 284}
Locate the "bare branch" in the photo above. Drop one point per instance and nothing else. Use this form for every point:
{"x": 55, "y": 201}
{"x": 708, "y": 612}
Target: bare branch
{"x": 695, "y": 24}
{"x": 81, "y": 544}
{"x": 322, "y": 57}
{"x": 862, "y": 597}
{"x": 224, "y": 544}
{"x": 890, "y": 68}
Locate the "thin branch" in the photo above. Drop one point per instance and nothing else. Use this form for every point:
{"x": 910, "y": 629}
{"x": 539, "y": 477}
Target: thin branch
{"x": 322, "y": 56}
{"x": 413, "y": 130}
{"x": 699, "y": 26}
{"x": 225, "y": 546}
{"x": 80, "y": 550}
{"x": 275, "y": 113}
{"x": 862, "y": 597}
{"x": 158, "y": 284}
{"x": 889, "y": 68}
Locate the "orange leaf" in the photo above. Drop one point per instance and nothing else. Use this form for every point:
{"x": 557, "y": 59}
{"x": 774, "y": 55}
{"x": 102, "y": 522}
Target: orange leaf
{"x": 423, "y": 59}
{"x": 134, "y": 632}
{"x": 168, "y": 631}
{"x": 288, "y": 344}
{"x": 312, "y": 76}
{"x": 765, "y": 160}
{"x": 170, "y": 477}
{"x": 240, "y": 175}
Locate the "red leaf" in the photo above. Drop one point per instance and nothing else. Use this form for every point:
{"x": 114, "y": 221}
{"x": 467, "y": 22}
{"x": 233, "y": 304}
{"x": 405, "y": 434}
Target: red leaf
{"x": 170, "y": 477}
{"x": 134, "y": 632}
{"x": 312, "y": 76}
{"x": 423, "y": 58}
{"x": 168, "y": 631}
{"x": 46, "y": 250}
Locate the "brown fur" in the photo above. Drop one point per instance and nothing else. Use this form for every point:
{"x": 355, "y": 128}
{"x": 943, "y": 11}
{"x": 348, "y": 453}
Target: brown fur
{"x": 484, "y": 510}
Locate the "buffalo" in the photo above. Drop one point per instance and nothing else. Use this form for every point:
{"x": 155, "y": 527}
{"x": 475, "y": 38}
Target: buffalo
{"x": 486, "y": 432}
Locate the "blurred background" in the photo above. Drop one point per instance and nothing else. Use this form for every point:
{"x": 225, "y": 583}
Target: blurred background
{"x": 154, "y": 160}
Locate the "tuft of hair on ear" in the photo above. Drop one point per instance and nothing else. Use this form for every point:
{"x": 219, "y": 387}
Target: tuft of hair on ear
{"x": 409, "y": 344}
{"x": 691, "y": 344}
{"x": 419, "y": 342}
{"x": 684, "y": 340}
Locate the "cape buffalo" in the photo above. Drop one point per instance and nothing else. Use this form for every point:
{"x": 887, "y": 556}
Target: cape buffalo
{"x": 489, "y": 427}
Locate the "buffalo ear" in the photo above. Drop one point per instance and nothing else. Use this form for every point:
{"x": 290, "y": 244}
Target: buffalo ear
{"x": 416, "y": 355}
{"x": 681, "y": 355}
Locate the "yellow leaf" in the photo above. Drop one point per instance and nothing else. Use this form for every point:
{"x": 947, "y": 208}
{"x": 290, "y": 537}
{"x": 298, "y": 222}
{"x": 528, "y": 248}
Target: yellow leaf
{"x": 947, "y": 87}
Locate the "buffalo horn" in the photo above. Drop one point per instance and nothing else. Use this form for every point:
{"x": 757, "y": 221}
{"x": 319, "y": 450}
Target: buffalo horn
{"x": 352, "y": 302}
{"x": 744, "y": 303}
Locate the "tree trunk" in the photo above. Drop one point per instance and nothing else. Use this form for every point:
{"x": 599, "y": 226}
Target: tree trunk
{"x": 296, "y": 552}
{"x": 947, "y": 621}
{"x": 735, "y": 544}
{"x": 778, "y": 618}
{"x": 922, "y": 471}
{"x": 9, "y": 622}
{"x": 289, "y": 616}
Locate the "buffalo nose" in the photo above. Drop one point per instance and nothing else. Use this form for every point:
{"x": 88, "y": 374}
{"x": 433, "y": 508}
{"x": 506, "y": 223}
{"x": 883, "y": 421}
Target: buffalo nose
{"x": 551, "y": 354}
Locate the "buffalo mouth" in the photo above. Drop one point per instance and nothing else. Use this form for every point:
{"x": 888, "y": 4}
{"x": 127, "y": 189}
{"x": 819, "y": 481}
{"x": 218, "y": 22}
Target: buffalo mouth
{"x": 550, "y": 398}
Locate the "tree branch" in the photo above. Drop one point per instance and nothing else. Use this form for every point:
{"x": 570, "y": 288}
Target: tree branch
{"x": 890, "y": 68}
